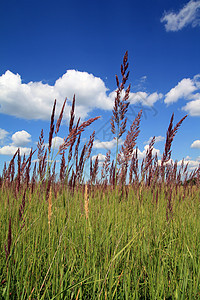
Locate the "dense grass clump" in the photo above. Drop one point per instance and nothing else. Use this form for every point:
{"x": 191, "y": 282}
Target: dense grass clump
{"x": 130, "y": 231}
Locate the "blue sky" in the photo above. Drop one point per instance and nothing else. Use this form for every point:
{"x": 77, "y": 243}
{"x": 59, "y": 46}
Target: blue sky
{"x": 53, "y": 49}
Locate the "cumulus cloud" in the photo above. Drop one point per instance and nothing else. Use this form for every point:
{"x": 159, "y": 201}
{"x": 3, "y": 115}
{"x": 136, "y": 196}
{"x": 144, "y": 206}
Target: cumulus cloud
{"x": 11, "y": 149}
{"x": 153, "y": 152}
{"x": 107, "y": 144}
{"x": 101, "y": 157}
{"x": 188, "y": 157}
{"x": 169, "y": 162}
{"x": 192, "y": 164}
{"x": 193, "y": 108}
{"x": 29, "y": 101}
{"x": 142, "y": 154}
{"x": 182, "y": 90}
{"x": 21, "y": 138}
{"x": 196, "y": 144}
{"x": 57, "y": 141}
{"x": 188, "y": 15}
{"x": 34, "y": 100}
{"x": 90, "y": 90}
{"x": 152, "y": 98}
{"x": 186, "y": 89}
{"x": 112, "y": 144}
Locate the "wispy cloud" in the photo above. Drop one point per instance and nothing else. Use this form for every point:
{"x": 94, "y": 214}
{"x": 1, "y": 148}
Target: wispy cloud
{"x": 144, "y": 98}
{"x": 188, "y": 15}
{"x": 157, "y": 139}
{"x": 3, "y": 134}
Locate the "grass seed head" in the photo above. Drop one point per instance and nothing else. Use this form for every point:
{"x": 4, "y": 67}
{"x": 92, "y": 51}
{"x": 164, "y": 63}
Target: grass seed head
{"x": 86, "y": 198}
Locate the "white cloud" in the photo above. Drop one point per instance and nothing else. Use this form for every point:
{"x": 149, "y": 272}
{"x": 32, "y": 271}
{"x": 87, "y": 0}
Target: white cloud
{"x": 189, "y": 14}
{"x": 192, "y": 164}
{"x": 90, "y": 90}
{"x": 34, "y": 100}
{"x": 11, "y": 149}
{"x": 142, "y": 154}
{"x": 188, "y": 157}
{"x": 157, "y": 139}
{"x": 145, "y": 98}
{"x": 3, "y": 133}
{"x": 194, "y": 96}
{"x": 182, "y": 90}
{"x": 169, "y": 162}
{"x": 107, "y": 144}
{"x": 153, "y": 152}
{"x": 186, "y": 89}
{"x": 196, "y": 79}
{"x": 112, "y": 144}
{"x": 196, "y": 144}
{"x": 101, "y": 157}
{"x": 140, "y": 83}
{"x": 193, "y": 108}
{"x": 152, "y": 98}
{"x": 143, "y": 78}
{"x": 57, "y": 141}
{"x": 29, "y": 101}
{"x": 21, "y": 138}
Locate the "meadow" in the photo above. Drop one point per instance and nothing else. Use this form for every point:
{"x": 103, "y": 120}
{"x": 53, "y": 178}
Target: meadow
{"x": 130, "y": 231}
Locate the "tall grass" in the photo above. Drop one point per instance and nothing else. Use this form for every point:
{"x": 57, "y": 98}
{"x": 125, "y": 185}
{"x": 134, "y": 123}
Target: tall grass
{"x": 69, "y": 251}
{"x": 130, "y": 232}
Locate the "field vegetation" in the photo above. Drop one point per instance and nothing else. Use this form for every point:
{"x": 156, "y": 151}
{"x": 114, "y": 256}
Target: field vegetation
{"x": 130, "y": 230}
